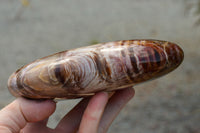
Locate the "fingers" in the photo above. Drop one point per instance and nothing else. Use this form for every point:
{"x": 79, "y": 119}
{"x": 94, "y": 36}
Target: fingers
{"x": 92, "y": 115}
{"x": 95, "y": 118}
{"x": 70, "y": 123}
{"x": 35, "y": 111}
{"x": 16, "y": 115}
{"x": 115, "y": 104}
{"x": 36, "y": 127}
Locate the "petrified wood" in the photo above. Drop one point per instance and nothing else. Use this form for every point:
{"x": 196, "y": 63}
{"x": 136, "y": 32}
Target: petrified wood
{"x": 84, "y": 71}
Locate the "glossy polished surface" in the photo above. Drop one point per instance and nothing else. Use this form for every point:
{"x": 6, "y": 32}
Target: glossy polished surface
{"x": 103, "y": 67}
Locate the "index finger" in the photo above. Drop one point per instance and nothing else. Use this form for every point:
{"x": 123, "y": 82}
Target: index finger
{"x": 21, "y": 111}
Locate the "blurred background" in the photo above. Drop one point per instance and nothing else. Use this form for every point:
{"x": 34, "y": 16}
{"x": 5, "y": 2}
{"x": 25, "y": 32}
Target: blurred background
{"x": 30, "y": 29}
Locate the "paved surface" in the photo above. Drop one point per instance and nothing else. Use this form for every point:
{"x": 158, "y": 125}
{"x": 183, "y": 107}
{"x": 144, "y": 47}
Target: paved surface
{"x": 167, "y": 105}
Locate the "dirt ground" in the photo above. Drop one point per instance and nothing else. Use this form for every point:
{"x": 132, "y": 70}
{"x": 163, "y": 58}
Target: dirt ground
{"x": 33, "y": 29}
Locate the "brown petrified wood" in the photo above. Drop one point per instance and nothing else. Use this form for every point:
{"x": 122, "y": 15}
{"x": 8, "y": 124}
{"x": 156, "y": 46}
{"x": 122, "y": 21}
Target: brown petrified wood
{"x": 84, "y": 71}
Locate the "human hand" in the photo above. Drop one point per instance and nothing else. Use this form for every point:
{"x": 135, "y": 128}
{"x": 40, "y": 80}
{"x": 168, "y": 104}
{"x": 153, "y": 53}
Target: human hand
{"x": 88, "y": 116}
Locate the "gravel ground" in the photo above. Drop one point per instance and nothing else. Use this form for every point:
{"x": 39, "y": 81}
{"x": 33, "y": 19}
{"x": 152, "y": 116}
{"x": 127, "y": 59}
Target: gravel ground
{"x": 166, "y": 105}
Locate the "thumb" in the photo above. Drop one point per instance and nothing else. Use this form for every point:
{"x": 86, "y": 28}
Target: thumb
{"x": 15, "y": 116}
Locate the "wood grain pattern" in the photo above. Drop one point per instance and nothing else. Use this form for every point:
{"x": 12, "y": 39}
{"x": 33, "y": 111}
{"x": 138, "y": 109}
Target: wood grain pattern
{"x": 84, "y": 71}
